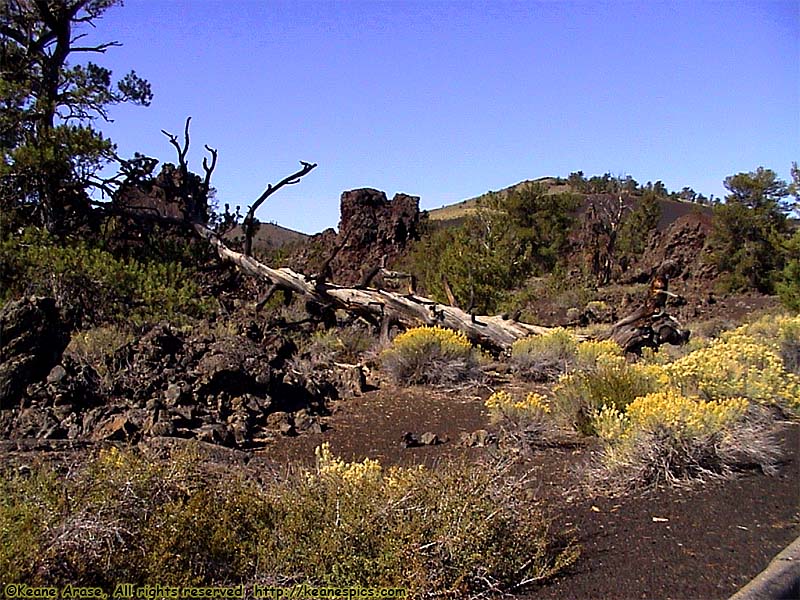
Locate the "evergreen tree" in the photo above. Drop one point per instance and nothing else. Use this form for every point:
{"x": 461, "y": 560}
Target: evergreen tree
{"x": 51, "y": 152}
{"x": 750, "y": 229}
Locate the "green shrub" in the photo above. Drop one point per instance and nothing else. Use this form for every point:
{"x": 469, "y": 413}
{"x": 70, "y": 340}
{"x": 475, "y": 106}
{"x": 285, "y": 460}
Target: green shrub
{"x": 458, "y": 530}
{"x": 431, "y": 355}
{"x": 94, "y": 286}
{"x": 544, "y": 357}
{"x": 613, "y": 383}
{"x": 30, "y": 506}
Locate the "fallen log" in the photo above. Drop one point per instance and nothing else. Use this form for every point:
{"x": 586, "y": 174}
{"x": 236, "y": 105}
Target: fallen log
{"x": 493, "y": 332}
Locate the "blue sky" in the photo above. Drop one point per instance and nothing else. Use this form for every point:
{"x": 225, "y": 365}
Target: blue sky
{"x": 446, "y": 100}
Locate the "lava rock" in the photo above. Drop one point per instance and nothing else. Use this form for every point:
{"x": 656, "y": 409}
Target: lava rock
{"x": 32, "y": 340}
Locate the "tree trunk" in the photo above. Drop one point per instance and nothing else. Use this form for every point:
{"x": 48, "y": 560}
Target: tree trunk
{"x": 491, "y": 332}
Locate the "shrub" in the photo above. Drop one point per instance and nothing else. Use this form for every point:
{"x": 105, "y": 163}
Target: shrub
{"x": 94, "y": 286}
{"x": 590, "y": 352}
{"x": 612, "y": 383}
{"x": 29, "y": 508}
{"x": 431, "y": 355}
{"x": 96, "y": 346}
{"x": 668, "y": 438}
{"x": 544, "y": 357}
{"x": 341, "y": 344}
{"x": 738, "y": 366}
{"x": 458, "y": 530}
{"x": 524, "y": 423}
{"x": 790, "y": 345}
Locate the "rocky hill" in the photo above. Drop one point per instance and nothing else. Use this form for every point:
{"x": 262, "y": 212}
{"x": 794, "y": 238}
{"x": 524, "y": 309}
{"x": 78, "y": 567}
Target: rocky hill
{"x": 454, "y": 213}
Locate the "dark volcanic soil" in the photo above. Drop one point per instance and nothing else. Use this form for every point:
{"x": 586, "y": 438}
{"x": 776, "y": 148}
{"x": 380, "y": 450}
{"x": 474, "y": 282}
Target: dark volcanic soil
{"x": 699, "y": 543}
{"x": 716, "y": 536}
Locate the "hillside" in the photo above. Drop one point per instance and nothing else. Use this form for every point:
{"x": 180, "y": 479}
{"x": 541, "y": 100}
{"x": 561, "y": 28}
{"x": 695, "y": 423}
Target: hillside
{"x": 270, "y": 237}
{"x": 671, "y": 209}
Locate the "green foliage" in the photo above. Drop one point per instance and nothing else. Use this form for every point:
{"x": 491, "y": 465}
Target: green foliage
{"x": 510, "y": 237}
{"x": 746, "y": 248}
{"x": 95, "y": 286}
{"x": 749, "y": 231}
{"x": 29, "y": 507}
{"x": 458, "y": 530}
{"x": 788, "y": 285}
{"x": 612, "y": 383}
{"x": 638, "y": 226}
{"x": 50, "y": 151}
{"x": 431, "y": 355}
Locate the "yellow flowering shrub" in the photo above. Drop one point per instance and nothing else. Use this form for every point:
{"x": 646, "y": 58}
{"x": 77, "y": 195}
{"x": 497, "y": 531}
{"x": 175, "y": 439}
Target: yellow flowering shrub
{"x": 737, "y": 366}
{"x": 544, "y": 357}
{"x": 503, "y": 403}
{"x": 589, "y": 352}
{"x": 459, "y": 530}
{"x": 448, "y": 340}
{"x": 614, "y": 383}
{"x": 769, "y": 329}
{"x": 348, "y": 473}
{"x": 433, "y": 355}
{"x": 667, "y": 437}
{"x": 523, "y": 423}
{"x": 685, "y": 416}
{"x": 610, "y": 424}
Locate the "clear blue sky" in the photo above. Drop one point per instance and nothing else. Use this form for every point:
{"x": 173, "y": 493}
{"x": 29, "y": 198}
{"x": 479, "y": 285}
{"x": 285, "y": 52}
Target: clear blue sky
{"x": 446, "y": 100}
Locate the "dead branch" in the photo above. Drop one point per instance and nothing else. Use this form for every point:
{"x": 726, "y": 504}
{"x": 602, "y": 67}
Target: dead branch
{"x": 249, "y": 221}
{"x": 325, "y": 272}
{"x": 181, "y": 150}
{"x": 209, "y": 169}
{"x": 451, "y": 298}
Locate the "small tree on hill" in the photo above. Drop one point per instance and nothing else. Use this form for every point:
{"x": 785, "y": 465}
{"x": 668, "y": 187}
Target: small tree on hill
{"x": 511, "y": 237}
{"x": 750, "y": 230}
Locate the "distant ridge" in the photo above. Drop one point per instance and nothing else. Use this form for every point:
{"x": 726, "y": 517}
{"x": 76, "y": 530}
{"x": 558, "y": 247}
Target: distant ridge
{"x": 270, "y": 237}
{"x": 454, "y": 213}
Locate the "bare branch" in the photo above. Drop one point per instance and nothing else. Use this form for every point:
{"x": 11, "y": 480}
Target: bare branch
{"x": 451, "y": 298}
{"x": 182, "y": 151}
{"x": 101, "y": 48}
{"x": 209, "y": 169}
{"x": 249, "y": 220}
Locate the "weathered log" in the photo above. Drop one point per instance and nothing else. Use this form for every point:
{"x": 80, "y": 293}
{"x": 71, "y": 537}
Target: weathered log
{"x": 490, "y": 331}
{"x": 649, "y": 332}
{"x": 650, "y": 326}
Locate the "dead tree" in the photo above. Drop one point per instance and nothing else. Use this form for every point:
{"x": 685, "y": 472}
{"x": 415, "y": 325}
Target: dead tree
{"x": 379, "y": 306}
{"x": 650, "y": 326}
{"x": 604, "y": 220}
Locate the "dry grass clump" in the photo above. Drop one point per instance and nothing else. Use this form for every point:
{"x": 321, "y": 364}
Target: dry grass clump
{"x": 431, "y": 355}
{"x": 345, "y": 344}
{"x": 96, "y": 346}
{"x": 668, "y": 438}
{"x": 544, "y": 357}
{"x": 457, "y": 531}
